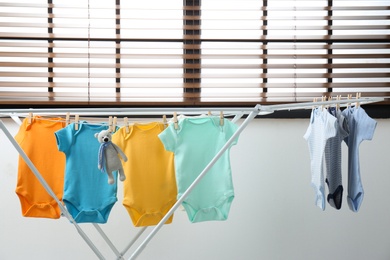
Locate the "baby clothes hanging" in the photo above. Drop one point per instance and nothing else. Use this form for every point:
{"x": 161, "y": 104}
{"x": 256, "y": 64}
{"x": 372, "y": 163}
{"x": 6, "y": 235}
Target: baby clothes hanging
{"x": 361, "y": 128}
{"x": 150, "y": 185}
{"x": 333, "y": 159}
{"x": 322, "y": 127}
{"x": 87, "y": 195}
{"x": 196, "y": 141}
{"x": 38, "y": 141}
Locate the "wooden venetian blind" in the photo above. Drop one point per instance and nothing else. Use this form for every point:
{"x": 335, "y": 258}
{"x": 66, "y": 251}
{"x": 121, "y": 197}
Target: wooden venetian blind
{"x": 191, "y": 52}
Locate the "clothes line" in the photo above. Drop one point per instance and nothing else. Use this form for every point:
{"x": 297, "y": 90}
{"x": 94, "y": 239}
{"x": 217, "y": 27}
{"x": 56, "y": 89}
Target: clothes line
{"x": 250, "y": 113}
{"x": 123, "y": 111}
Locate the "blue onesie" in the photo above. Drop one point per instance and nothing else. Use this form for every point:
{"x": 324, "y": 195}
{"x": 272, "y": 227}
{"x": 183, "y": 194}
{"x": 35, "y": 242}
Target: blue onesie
{"x": 361, "y": 128}
{"x": 194, "y": 145}
{"x": 322, "y": 127}
{"x": 87, "y": 195}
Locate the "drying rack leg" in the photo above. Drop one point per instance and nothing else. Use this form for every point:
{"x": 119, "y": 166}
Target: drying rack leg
{"x": 135, "y": 238}
{"x": 48, "y": 189}
{"x": 196, "y": 181}
{"x": 108, "y": 241}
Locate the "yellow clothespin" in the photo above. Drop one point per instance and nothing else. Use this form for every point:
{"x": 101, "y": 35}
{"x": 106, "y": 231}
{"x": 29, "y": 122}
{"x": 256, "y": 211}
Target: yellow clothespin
{"x": 221, "y": 118}
{"x": 175, "y": 121}
{"x": 76, "y": 122}
{"x": 126, "y": 121}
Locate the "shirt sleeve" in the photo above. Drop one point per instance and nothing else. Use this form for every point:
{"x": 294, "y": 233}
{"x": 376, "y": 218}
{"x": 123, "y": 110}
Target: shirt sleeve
{"x": 367, "y": 125}
{"x": 230, "y": 129}
{"x": 64, "y": 138}
{"x": 120, "y": 136}
{"x": 168, "y": 138}
{"x": 331, "y": 126}
{"x": 19, "y": 137}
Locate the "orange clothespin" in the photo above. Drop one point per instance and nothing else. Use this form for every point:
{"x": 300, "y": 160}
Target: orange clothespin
{"x": 76, "y": 122}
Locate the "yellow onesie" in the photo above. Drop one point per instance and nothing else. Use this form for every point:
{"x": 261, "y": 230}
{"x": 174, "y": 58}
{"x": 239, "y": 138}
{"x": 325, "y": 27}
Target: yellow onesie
{"x": 149, "y": 190}
{"x": 38, "y": 141}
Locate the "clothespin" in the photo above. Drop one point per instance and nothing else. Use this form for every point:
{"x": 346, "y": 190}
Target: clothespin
{"x": 114, "y": 123}
{"x": 349, "y": 96}
{"x": 314, "y": 101}
{"x": 221, "y": 118}
{"x": 358, "y": 95}
{"x": 209, "y": 113}
{"x": 323, "y": 99}
{"x": 165, "y": 121}
{"x": 67, "y": 119}
{"x": 76, "y": 122}
{"x": 110, "y": 123}
{"x": 30, "y": 117}
{"x": 126, "y": 121}
{"x": 338, "y": 104}
{"x": 175, "y": 120}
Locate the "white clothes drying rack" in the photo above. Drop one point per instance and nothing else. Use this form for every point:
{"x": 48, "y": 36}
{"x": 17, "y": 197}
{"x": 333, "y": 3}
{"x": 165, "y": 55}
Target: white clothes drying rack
{"x": 238, "y": 113}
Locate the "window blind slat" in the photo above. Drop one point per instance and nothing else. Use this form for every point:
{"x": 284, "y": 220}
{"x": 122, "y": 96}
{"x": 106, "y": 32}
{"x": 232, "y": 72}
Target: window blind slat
{"x": 192, "y": 52}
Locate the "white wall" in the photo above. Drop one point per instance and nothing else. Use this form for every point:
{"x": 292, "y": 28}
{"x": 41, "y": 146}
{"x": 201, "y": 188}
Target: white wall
{"x": 272, "y": 217}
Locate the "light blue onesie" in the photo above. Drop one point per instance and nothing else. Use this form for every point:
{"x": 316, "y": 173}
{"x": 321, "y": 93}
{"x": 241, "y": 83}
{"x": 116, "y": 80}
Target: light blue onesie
{"x": 322, "y": 127}
{"x": 361, "y": 128}
{"x": 87, "y": 195}
{"x": 195, "y": 144}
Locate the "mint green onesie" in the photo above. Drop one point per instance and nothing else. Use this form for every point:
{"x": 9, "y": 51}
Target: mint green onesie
{"x": 195, "y": 144}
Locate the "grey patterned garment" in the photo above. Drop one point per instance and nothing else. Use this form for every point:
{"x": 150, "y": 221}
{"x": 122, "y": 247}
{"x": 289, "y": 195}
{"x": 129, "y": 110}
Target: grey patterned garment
{"x": 333, "y": 160}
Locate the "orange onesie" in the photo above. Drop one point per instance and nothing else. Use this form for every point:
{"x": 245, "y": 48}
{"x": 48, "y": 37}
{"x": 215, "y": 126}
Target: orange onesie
{"x": 39, "y": 143}
{"x": 149, "y": 190}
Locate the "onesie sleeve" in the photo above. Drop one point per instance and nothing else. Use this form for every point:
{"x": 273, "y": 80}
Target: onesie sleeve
{"x": 331, "y": 126}
{"x": 367, "y": 125}
{"x": 118, "y": 138}
{"x": 168, "y": 138}
{"x": 64, "y": 138}
{"x": 21, "y": 132}
{"x": 230, "y": 129}
{"x": 308, "y": 130}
